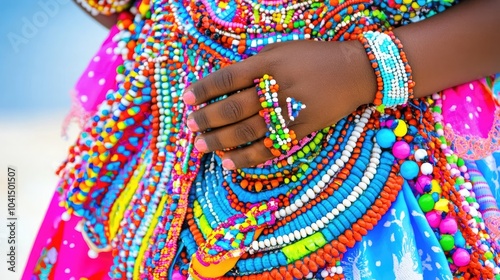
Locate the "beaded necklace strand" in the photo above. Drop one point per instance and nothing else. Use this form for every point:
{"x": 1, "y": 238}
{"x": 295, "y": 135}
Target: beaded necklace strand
{"x": 144, "y": 191}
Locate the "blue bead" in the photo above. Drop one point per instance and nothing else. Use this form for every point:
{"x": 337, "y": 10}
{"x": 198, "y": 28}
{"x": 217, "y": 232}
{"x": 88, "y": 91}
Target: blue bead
{"x": 409, "y": 170}
{"x": 385, "y": 138}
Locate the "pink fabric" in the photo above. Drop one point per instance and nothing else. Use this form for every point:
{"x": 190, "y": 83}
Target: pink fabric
{"x": 472, "y": 119}
{"x": 98, "y": 78}
{"x": 62, "y": 241}
{"x": 59, "y": 239}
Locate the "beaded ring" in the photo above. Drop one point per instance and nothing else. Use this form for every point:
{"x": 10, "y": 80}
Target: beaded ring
{"x": 388, "y": 60}
{"x": 279, "y": 138}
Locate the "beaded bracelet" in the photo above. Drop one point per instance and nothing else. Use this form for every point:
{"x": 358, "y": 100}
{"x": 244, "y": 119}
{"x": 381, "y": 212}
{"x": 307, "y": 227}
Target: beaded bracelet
{"x": 388, "y": 60}
{"x": 279, "y": 138}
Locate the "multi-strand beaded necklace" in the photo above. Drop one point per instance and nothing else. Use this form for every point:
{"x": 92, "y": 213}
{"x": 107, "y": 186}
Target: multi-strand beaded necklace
{"x": 144, "y": 191}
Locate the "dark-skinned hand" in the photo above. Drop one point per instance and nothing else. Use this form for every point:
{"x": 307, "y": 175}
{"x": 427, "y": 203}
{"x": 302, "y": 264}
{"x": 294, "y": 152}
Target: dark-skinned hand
{"x": 331, "y": 78}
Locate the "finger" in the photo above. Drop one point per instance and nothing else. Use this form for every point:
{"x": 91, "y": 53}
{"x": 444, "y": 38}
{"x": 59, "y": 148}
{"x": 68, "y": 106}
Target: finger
{"x": 226, "y": 80}
{"x": 231, "y": 136}
{"x": 257, "y": 153}
{"x": 248, "y": 156}
{"x": 233, "y": 109}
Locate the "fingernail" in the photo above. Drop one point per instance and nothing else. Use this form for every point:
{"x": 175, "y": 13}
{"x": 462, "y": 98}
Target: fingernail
{"x": 189, "y": 97}
{"x": 201, "y": 145}
{"x": 191, "y": 123}
{"x": 228, "y": 164}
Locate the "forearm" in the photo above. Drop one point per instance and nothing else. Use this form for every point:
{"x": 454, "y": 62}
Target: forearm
{"x": 451, "y": 48}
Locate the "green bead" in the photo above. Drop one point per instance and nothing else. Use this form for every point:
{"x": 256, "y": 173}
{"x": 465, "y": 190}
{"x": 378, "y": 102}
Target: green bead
{"x": 460, "y": 180}
{"x": 460, "y": 162}
{"x": 426, "y": 202}
{"x": 120, "y": 69}
{"x": 488, "y": 255}
{"x": 447, "y": 242}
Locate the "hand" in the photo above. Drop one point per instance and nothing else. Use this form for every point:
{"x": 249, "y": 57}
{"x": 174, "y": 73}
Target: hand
{"x": 331, "y": 78}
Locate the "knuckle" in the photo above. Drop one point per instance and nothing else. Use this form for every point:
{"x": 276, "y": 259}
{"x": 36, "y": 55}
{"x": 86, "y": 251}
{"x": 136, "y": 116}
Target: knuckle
{"x": 245, "y": 133}
{"x": 213, "y": 143}
{"x": 231, "y": 110}
{"x": 201, "y": 120}
{"x": 201, "y": 91}
{"x": 224, "y": 80}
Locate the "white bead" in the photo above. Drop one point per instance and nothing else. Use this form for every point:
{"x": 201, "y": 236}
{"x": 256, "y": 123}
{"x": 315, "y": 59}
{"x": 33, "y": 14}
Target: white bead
{"x": 296, "y": 234}
{"x": 351, "y": 198}
{"x": 358, "y": 190}
{"x": 267, "y": 242}
{"x": 365, "y": 180}
{"x": 310, "y": 193}
{"x": 279, "y": 240}
{"x": 326, "y": 178}
{"x": 299, "y": 203}
{"x": 282, "y": 213}
{"x": 320, "y": 224}
{"x": 324, "y": 273}
{"x": 335, "y": 211}
{"x": 291, "y": 236}
{"x": 304, "y": 198}
{"x": 335, "y": 168}
{"x": 316, "y": 189}
{"x": 321, "y": 184}
{"x": 314, "y": 227}
{"x": 303, "y": 233}
{"x": 363, "y": 185}
{"x": 371, "y": 170}
{"x": 255, "y": 245}
{"x": 277, "y": 215}
{"x": 329, "y": 216}
{"x": 293, "y": 207}
{"x": 325, "y": 220}
{"x": 273, "y": 241}
{"x": 261, "y": 244}
{"x": 286, "y": 239}
{"x": 342, "y": 206}
{"x": 426, "y": 168}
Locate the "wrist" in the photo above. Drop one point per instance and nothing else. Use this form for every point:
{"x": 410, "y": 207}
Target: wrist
{"x": 363, "y": 91}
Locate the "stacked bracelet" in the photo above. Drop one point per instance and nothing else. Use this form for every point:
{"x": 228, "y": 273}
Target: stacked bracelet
{"x": 279, "y": 138}
{"x": 394, "y": 79}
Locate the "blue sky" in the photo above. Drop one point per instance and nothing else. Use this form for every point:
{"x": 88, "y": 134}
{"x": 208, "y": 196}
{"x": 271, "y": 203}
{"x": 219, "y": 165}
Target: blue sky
{"x": 44, "y": 47}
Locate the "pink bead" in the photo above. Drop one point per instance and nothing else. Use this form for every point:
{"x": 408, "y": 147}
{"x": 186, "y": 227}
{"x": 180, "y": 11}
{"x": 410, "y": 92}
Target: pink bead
{"x": 448, "y": 226}
{"x": 389, "y": 123}
{"x": 434, "y": 218}
{"x": 466, "y": 208}
{"x": 422, "y": 183}
{"x": 177, "y": 276}
{"x": 401, "y": 149}
{"x": 461, "y": 257}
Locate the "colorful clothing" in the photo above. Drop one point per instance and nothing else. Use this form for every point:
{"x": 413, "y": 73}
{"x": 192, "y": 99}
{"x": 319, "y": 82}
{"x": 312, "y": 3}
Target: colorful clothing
{"x": 376, "y": 196}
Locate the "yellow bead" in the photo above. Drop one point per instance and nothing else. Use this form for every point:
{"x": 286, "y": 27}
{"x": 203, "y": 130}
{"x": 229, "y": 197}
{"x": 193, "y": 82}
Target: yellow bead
{"x": 401, "y": 129}
{"x": 442, "y": 205}
{"x": 435, "y": 187}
